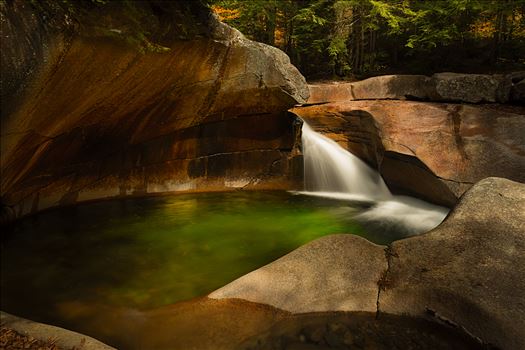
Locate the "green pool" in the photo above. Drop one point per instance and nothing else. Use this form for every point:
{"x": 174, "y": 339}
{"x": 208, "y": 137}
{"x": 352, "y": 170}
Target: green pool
{"x": 142, "y": 254}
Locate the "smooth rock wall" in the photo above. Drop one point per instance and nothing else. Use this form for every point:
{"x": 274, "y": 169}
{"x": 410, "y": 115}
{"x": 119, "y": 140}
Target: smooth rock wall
{"x": 100, "y": 119}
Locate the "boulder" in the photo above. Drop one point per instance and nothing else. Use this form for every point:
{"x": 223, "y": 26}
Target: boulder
{"x": 469, "y": 270}
{"x": 470, "y": 88}
{"x": 435, "y": 151}
{"x": 330, "y": 92}
{"x": 441, "y": 87}
{"x": 99, "y": 119}
{"x": 327, "y": 274}
{"x": 394, "y": 87}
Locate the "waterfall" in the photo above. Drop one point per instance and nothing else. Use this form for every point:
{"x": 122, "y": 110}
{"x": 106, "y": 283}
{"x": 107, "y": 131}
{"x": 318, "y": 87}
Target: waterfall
{"x": 333, "y": 172}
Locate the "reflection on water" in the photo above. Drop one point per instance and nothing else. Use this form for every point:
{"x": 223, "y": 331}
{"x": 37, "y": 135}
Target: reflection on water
{"x": 74, "y": 266}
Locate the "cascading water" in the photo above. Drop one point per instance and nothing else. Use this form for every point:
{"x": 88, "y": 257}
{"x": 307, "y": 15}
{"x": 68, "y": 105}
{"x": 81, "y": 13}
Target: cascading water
{"x": 333, "y": 172}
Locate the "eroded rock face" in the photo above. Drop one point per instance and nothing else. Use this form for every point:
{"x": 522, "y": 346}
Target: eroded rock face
{"x": 440, "y": 87}
{"x": 468, "y": 271}
{"x": 435, "y": 151}
{"x": 101, "y": 120}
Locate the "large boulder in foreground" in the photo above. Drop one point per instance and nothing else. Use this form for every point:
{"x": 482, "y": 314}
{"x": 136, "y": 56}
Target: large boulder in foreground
{"x": 468, "y": 271}
{"x": 98, "y": 118}
{"x": 435, "y": 151}
{"x": 335, "y": 273}
{"x": 440, "y": 87}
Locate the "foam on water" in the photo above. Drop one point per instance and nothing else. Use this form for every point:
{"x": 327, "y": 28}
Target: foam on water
{"x": 330, "y": 168}
{"x": 332, "y": 172}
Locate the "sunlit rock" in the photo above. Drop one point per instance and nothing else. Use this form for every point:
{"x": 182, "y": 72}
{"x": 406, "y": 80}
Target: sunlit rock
{"x": 435, "y": 151}
{"x": 95, "y": 118}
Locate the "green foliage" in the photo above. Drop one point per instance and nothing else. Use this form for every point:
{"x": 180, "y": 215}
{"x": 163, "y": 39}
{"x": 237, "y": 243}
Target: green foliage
{"x": 307, "y": 14}
{"x": 346, "y": 37}
{"x": 322, "y": 37}
{"x": 146, "y": 26}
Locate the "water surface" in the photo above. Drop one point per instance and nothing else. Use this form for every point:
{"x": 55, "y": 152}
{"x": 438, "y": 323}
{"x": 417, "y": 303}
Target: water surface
{"x": 156, "y": 251}
{"x": 112, "y": 269}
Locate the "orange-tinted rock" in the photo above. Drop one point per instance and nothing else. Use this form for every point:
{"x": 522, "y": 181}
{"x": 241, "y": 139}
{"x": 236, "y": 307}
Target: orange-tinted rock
{"x": 103, "y": 120}
{"x": 432, "y": 150}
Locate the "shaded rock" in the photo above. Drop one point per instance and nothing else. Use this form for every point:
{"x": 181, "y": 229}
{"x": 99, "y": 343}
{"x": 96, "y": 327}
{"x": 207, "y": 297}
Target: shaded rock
{"x": 61, "y": 337}
{"x": 99, "y": 119}
{"x": 430, "y": 150}
{"x": 469, "y": 270}
{"x": 359, "y": 331}
{"x": 395, "y": 87}
{"x": 328, "y": 274}
{"x": 517, "y": 89}
{"x": 471, "y": 88}
{"x": 466, "y": 272}
{"x": 441, "y": 87}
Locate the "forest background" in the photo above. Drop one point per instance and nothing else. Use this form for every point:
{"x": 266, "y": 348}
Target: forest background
{"x": 349, "y": 39}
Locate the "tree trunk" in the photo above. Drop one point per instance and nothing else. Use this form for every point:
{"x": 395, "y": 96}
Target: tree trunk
{"x": 496, "y": 40}
{"x": 270, "y": 25}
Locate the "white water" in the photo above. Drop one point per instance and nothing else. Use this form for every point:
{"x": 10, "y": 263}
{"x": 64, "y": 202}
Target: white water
{"x": 330, "y": 168}
{"x": 331, "y": 171}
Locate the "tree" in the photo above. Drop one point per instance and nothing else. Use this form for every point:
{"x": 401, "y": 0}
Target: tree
{"x": 361, "y": 37}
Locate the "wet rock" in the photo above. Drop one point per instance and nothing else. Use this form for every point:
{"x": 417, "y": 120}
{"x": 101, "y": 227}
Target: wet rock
{"x": 435, "y": 151}
{"x": 209, "y": 113}
{"x": 386, "y": 333}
